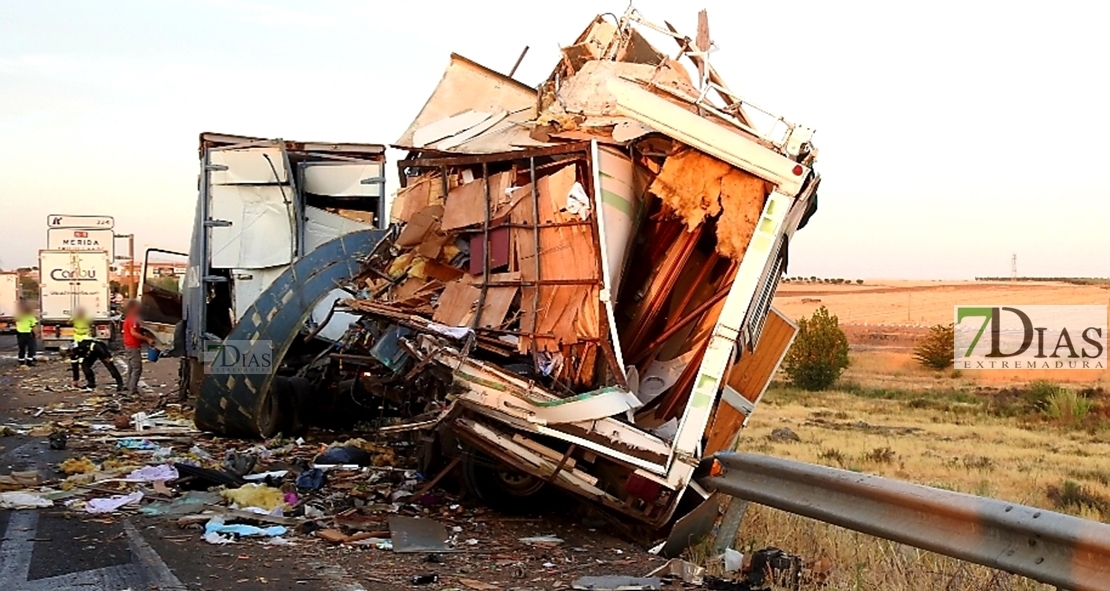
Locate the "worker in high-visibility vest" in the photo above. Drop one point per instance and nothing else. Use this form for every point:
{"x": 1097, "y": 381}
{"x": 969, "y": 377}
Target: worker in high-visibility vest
{"x": 25, "y": 328}
{"x": 82, "y": 326}
{"x": 86, "y": 351}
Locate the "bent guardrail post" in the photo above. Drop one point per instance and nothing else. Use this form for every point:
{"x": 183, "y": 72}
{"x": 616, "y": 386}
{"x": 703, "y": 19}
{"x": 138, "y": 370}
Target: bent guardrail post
{"x": 1046, "y": 546}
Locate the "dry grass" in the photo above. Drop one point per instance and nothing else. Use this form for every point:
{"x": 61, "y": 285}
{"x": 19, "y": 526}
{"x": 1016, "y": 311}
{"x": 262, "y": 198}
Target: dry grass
{"x": 934, "y": 431}
{"x": 924, "y": 302}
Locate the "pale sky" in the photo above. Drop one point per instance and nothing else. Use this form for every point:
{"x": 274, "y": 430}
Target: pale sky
{"x": 951, "y": 134}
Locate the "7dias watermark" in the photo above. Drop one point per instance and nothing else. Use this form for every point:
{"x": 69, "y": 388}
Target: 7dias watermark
{"x": 238, "y": 357}
{"x": 1030, "y": 337}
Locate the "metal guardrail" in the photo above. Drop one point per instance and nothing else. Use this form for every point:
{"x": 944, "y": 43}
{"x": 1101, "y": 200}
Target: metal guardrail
{"x": 1049, "y": 547}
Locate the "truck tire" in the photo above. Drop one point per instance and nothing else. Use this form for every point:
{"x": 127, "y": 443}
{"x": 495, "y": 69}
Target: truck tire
{"x": 501, "y": 487}
{"x": 300, "y": 390}
{"x": 272, "y": 414}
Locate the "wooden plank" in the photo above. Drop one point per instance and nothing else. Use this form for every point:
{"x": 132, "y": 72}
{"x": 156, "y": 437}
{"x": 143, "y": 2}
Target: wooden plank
{"x": 702, "y": 40}
{"x": 466, "y": 204}
{"x": 750, "y": 377}
{"x": 456, "y": 304}
{"x": 566, "y": 253}
{"x": 498, "y": 299}
{"x": 524, "y": 246}
{"x": 420, "y": 193}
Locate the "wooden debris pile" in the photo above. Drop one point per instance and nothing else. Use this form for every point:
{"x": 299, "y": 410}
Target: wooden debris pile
{"x": 583, "y": 234}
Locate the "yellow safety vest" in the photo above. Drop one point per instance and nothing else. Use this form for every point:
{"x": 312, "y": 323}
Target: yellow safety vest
{"x": 25, "y": 324}
{"x": 82, "y": 330}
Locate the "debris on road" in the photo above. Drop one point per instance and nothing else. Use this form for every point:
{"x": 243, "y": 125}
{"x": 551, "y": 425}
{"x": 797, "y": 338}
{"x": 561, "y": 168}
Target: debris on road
{"x": 22, "y": 500}
{"x": 111, "y": 504}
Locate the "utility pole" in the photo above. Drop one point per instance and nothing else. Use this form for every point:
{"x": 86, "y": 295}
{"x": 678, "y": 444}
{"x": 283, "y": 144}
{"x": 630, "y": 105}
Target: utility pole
{"x": 1013, "y": 267}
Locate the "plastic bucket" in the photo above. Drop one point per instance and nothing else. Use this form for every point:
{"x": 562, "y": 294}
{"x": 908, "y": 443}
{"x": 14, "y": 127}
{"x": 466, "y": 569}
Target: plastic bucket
{"x": 152, "y": 354}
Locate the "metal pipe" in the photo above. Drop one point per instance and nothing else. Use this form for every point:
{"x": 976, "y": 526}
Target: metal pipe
{"x": 485, "y": 250}
{"x": 1049, "y": 547}
{"x": 532, "y": 180}
{"x": 518, "y": 60}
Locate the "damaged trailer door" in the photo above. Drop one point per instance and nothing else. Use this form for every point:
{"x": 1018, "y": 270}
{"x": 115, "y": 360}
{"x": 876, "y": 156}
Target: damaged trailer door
{"x": 277, "y": 225}
{"x": 251, "y": 215}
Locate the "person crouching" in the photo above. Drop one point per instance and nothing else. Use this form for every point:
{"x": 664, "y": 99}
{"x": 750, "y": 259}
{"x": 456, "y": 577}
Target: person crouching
{"x": 83, "y": 355}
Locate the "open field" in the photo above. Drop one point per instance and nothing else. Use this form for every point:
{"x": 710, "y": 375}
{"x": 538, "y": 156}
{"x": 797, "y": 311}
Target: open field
{"x": 890, "y": 418}
{"x": 884, "y": 319}
{"x": 924, "y": 303}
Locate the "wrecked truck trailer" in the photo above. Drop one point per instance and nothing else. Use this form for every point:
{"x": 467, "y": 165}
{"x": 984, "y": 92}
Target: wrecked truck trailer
{"x": 589, "y": 270}
{"x": 576, "y": 287}
{"x": 279, "y": 227}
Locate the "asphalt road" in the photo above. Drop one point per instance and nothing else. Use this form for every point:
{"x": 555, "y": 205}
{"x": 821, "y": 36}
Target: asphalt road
{"x": 56, "y": 550}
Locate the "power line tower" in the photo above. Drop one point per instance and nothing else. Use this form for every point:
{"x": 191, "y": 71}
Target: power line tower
{"x": 1013, "y": 267}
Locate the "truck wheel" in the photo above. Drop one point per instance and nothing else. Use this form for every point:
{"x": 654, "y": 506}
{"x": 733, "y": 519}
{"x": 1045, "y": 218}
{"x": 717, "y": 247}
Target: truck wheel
{"x": 271, "y": 414}
{"x": 300, "y": 390}
{"x": 501, "y": 487}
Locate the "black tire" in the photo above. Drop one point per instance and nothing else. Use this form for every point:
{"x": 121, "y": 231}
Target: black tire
{"x": 300, "y": 390}
{"x": 271, "y": 414}
{"x": 501, "y": 487}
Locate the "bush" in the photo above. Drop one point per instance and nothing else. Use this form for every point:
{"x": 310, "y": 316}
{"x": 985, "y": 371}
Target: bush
{"x": 937, "y": 349}
{"x": 1039, "y": 393}
{"x": 859, "y": 281}
{"x": 819, "y": 353}
{"x": 1067, "y": 406}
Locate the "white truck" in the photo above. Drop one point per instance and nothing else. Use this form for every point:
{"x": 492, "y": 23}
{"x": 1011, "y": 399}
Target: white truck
{"x": 9, "y": 299}
{"x": 70, "y": 280}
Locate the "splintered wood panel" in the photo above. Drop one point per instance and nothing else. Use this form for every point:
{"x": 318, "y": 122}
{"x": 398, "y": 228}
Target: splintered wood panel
{"x": 567, "y": 253}
{"x": 456, "y": 304}
{"x": 750, "y": 377}
{"x": 466, "y": 204}
{"x": 420, "y": 193}
{"x": 524, "y": 246}
{"x": 498, "y": 299}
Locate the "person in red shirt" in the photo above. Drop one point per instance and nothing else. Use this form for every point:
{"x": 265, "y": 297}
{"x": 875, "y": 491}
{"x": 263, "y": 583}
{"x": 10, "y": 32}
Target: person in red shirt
{"x": 133, "y": 339}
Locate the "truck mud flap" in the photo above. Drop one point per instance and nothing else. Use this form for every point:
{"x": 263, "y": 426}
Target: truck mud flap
{"x": 228, "y": 404}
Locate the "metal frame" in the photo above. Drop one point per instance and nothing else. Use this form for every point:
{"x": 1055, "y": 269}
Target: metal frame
{"x": 1053, "y": 548}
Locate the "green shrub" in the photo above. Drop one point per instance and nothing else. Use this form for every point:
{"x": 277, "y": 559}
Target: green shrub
{"x": 819, "y": 353}
{"x": 936, "y": 350}
{"x": 1039, "y": 393}
{"x": 1067, "y": 406}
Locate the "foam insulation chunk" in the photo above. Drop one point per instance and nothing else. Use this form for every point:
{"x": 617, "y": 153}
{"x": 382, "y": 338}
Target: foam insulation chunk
{"x": 697, "y": 186}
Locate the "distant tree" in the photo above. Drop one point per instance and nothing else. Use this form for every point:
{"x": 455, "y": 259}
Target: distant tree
{"x": 937, "y": 349}
{"x": 859, "y": 281}
{"x": 30, "y": 288}
{"x": 819, "y": 353}
{"x": 812, "y": 278}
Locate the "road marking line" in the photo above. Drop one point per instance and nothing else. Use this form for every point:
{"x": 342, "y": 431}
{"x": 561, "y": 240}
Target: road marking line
{"x": 158, "y": 573}
{"x": 15, "y": 550}
{"x": 146, "y": 568}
